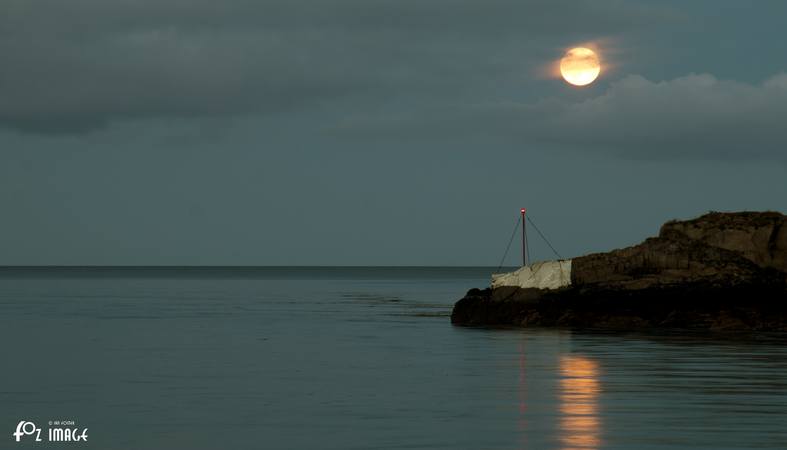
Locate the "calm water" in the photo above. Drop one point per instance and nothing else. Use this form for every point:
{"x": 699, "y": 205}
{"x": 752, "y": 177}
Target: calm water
{"x": 357, "y": 359}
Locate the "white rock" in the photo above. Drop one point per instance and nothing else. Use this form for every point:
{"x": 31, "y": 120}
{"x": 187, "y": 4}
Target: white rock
{"x": 542, "y": 275}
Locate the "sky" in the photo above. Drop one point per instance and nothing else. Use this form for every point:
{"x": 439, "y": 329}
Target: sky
{"x": 377, "y": 132}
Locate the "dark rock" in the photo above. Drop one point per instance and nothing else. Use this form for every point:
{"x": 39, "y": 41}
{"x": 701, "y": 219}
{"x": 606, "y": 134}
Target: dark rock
{"x": 722, "y": 271}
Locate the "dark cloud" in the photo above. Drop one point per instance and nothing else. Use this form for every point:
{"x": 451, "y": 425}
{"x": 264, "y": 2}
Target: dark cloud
{"x": 78, "y": 65}
{"x": 690, "y": 117}
{"x": 695, "y": 116}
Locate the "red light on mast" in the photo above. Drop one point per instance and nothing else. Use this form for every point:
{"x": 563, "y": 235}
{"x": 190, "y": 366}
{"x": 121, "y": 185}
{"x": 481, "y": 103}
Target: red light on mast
{"x": 522, "y": 210}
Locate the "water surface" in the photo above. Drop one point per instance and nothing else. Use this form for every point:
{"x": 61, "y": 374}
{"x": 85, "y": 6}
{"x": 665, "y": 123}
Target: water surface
{"x": 357, "y": 358}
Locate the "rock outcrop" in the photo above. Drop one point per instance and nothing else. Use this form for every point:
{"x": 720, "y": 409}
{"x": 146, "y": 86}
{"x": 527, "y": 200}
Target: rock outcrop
{"x": 719, "y": 271}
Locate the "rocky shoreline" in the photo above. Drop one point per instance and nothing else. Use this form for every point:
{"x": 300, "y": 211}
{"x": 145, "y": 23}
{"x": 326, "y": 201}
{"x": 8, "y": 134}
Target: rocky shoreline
{"x": 721, "y": 271}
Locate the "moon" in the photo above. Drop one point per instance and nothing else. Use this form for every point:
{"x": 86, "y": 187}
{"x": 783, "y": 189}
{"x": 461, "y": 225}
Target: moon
{"x": 580, "y": 66}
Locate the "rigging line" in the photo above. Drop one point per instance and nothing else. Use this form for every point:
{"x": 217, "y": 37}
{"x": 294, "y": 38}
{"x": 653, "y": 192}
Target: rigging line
{"x": 544, "y": 237}
{"x": 508, "y": 247}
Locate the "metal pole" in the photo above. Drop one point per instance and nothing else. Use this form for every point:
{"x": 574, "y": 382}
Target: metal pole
{"x": 524, "y": 239}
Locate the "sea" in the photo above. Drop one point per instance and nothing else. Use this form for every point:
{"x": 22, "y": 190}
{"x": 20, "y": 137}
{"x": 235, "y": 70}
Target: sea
{"x": 354, "y": 358}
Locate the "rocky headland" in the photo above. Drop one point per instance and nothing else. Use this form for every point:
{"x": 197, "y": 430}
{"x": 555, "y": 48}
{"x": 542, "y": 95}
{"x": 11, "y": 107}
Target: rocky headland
{"x": 721, "y": 271}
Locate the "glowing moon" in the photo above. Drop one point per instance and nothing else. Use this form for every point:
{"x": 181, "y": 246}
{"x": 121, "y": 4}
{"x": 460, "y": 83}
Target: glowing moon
{"x": 580, "y": 66}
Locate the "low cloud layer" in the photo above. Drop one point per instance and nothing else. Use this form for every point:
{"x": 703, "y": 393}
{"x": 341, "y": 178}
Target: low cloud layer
{"x": 696, "y": 116}
{"x": 76, "y": 66}
{"x": 417, "y": 68}
{"x": 690, "y": 117}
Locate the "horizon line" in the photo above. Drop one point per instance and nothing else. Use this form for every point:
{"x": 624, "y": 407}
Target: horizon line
{"x": 289, "y": 266}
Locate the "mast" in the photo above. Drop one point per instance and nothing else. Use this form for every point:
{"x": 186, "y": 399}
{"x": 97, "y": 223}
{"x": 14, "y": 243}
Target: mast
{"x": 524, "y": 238}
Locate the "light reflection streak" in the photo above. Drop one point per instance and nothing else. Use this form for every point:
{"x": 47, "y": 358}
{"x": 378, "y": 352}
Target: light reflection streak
{"x": 580, "y": 425}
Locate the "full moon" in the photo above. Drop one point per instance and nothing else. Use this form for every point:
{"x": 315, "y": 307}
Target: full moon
{"x": 580, "y": 66}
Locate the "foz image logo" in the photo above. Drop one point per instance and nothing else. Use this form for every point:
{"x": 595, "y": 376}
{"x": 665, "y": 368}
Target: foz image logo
{"x": 25, "y": 428}
{"x": 64, "y": 432}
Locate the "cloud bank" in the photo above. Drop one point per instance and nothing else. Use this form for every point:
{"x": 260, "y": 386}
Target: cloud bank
{"x": 692, "y": 117}
{"x": 695, "y": 116}
{"x": 76, "y": 66}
